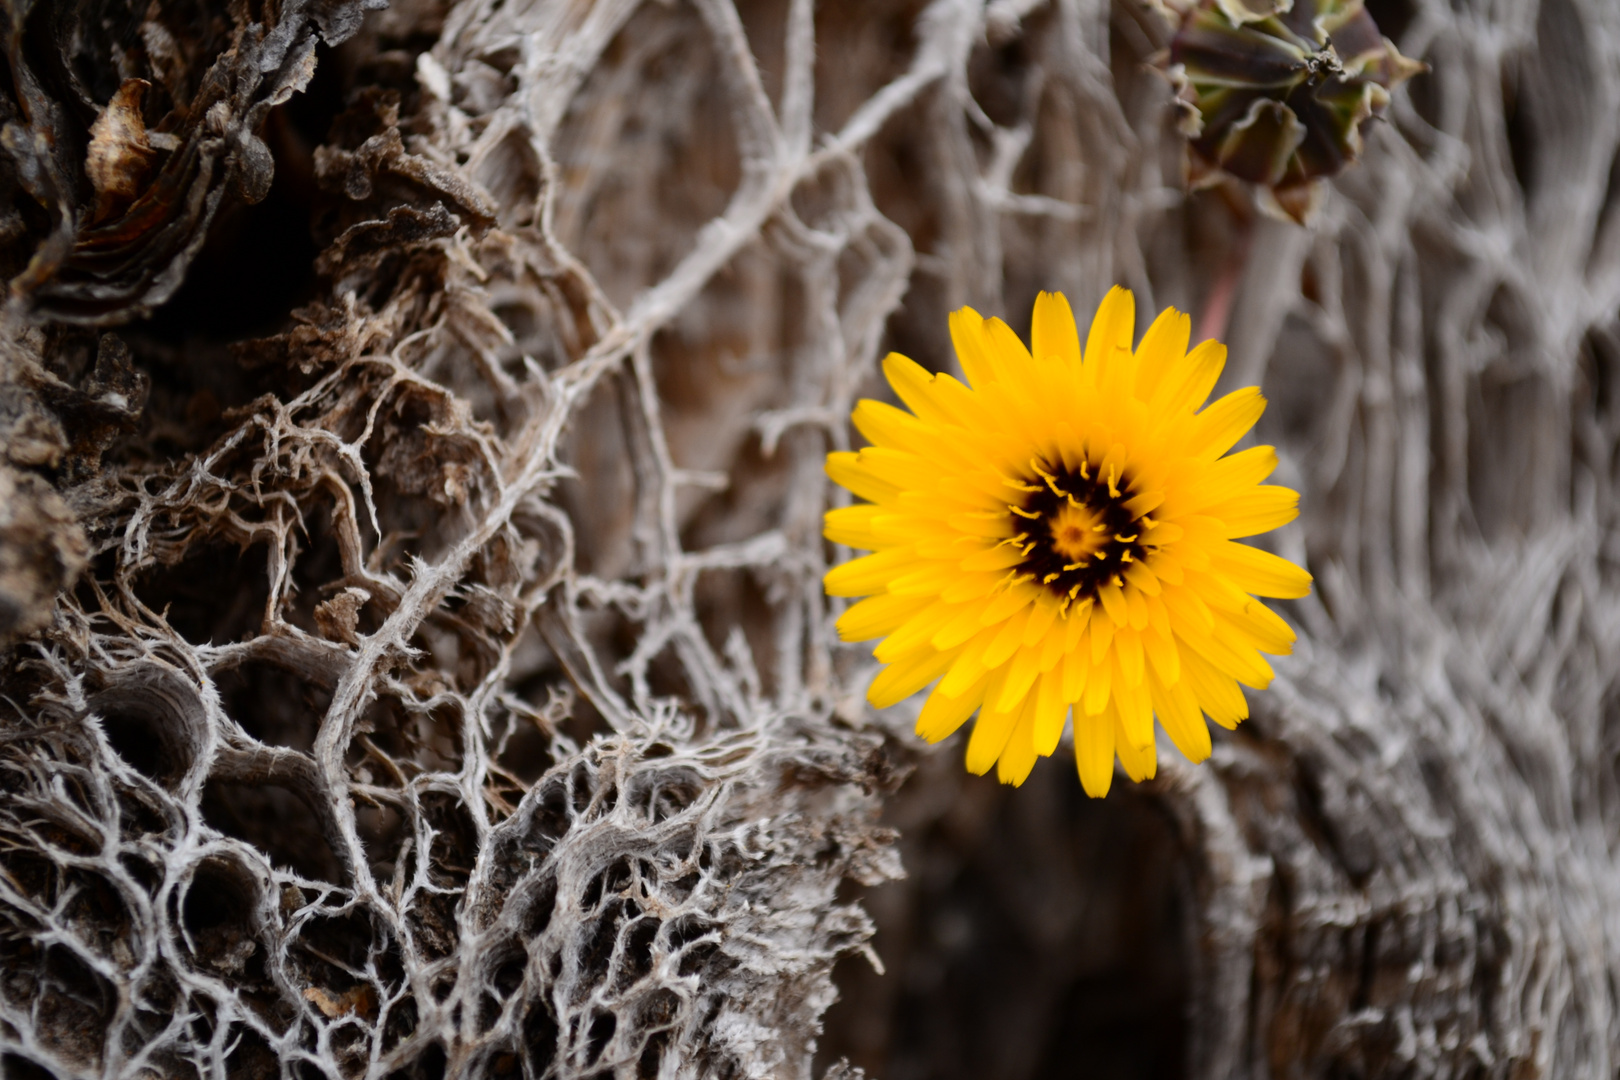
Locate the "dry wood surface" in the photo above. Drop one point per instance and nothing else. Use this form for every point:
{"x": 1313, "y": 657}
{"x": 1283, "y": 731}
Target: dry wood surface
{"x": 415, "y": 661}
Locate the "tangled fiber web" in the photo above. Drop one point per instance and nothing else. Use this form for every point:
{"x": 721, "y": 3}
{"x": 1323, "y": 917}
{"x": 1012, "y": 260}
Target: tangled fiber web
{"x": 448, "y": 687}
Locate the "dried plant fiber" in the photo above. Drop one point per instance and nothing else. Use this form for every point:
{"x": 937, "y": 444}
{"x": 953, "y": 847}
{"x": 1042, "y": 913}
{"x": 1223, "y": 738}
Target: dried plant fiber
{"x": 429, "y": 674}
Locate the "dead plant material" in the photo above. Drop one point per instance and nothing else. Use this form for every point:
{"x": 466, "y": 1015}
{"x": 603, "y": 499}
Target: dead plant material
{"x": 448, "y": 688}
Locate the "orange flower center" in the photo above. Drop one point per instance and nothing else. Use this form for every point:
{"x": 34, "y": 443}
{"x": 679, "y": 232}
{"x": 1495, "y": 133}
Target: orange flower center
{"x": 1078, "y": 532}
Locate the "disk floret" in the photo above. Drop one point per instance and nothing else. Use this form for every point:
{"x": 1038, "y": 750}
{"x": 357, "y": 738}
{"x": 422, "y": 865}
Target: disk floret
{"x": 1081, "y": 529}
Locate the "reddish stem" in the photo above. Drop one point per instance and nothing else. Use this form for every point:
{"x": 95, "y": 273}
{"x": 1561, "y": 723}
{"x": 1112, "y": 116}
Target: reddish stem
{"x": 1212, "y": 322}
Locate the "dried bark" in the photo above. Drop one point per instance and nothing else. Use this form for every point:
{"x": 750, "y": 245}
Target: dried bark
{"x": 438, "y": 678}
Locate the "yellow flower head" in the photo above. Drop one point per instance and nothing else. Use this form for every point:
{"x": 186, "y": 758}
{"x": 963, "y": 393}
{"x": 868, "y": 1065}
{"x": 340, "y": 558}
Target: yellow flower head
{"x": 1058, "y": 535}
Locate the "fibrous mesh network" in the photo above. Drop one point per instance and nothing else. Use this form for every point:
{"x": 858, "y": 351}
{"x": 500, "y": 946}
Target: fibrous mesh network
{"x": 445, "y": 684}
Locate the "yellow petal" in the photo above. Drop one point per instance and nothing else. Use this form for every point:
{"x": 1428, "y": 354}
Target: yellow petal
{"x": 942, "y": 714}
{"x": 967, "y": 334}
{"x": 1259, "y": 572}
{"x": 1256, "y": 511}
{"x": 1094, "y": 753}
{"x": 1051, "y": 710}
{"x": 939, "y": 546}
{"x": 1163, "y": 346}
{"x": 1138, "y": 576}
{"x": 1018, "y": 757}
{"x": 986, "y": 489}
{"x": 1217, "y": 693}
{"x": 1134, "y": 710}
{"x": 1158, "y": 616}
{"x": 1159, "y": 534}
{"x": 899, "y": 468}
{"x": 993, "y": 524}
{"x": 1186, "y": 385}
{"x": 1098, "y": 683}
{"x": 900, "y": 680}
{"x": 997, "y": 558}
{"x": 1217, "y": 591}
{"x": 1075, "y": 624}
{"x": 990, "y": 734}
{"x": 1005, "y": 640}
{"x": 877, "y": 615}
{"x": 1040, "y": 621}
{"x": 1170, "y": 561}
{"x": 1020, "y": 677}
{"x": 1052, "y": 646}
{"x": 846, "y": 470}
{"x": 1261, "y": 627}
{"x": 1102, "y": 633}
{"x": 885, "y": 425}
{"x": 1009, "y": 603}
{"x": 927, "y": 577}
{"x": 971, "y": 587}
{"x": 914, "y": 632}
{"x": 1052, "y": 331}
{"x": 1166, "y": 568}
{"x": 1187, "y": 610}
{"x": 958, "y": 628}
{"x": 1136, "y": 605}
{"x": 1076, "y": 669}
{"x": 869, "y": 573}
{"x": 1179, "y": 714}
{"x": 958, "y": 396}
{"x": 1233, "y": 475}
{"x": 1006, "y": 352}
{"x": 1128, "y": 647}
{"x": 1113, "y": 602}
{"x": 968, "y": 669}
{"x": 1162, "y": 654}
{"x": 851, "y": 525}
{"x": 1218, "y": 428}
{"x": 1140, "y": 761}
{"x": 1111, "y": 330}
{"x": 923, "y": 393}
{"x": 1239, "y": 660}
{"x": 1146, "y": 503}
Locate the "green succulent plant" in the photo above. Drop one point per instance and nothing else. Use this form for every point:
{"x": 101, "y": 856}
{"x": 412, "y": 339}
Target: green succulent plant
{"x": 1275, "y": 93}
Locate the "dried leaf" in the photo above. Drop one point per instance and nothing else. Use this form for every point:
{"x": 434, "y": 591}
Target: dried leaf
{"x": 338, "y": 617}
{"x": 119, "y": 156}
{"x": 356, "y": 1000}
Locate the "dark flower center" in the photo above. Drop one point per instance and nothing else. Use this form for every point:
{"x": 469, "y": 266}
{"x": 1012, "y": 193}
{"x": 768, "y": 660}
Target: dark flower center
{"x": 1075, "y": 531}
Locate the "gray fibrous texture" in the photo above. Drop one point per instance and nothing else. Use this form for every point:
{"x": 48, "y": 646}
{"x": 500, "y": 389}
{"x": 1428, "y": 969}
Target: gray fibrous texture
{"x": 459, "y": 697}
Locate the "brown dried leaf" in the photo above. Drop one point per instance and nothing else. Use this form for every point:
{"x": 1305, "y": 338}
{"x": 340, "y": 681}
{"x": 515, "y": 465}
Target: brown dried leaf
{"x": 355, "y": 1000}
{"x": 120, "y": 156}
{"x": 338, "y": 617}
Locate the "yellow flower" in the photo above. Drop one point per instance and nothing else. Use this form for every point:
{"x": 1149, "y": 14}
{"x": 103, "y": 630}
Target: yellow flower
{"x": 1057, "y": 535}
